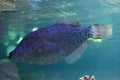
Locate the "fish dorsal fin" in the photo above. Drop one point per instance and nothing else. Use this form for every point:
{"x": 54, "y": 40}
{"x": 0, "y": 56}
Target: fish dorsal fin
{"x": 77, "y": 54}
{"x": 64, "y": 20}
{"x": 71, "y": 21}
{"x": 75, "y": 23}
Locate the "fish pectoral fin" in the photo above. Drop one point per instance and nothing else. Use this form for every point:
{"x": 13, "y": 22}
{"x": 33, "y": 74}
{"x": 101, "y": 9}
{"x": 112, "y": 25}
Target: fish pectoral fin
{"x": 76, "y": 55}
{"x": 71, "y": 21}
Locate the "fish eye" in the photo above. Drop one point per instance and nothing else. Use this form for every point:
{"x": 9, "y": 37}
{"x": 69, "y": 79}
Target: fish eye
{"x": 33, "y": 37}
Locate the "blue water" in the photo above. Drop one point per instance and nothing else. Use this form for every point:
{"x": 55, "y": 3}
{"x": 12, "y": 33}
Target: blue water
{"x": 100, "y": 59}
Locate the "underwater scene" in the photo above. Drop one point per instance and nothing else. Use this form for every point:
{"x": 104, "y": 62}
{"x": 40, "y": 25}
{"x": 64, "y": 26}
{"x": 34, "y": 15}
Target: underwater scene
{"x": 59, "y": 39}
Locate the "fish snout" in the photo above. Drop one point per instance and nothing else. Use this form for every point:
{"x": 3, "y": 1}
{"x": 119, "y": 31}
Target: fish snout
{"x": 16, "y": 56}
{"x": 12, "y": 55}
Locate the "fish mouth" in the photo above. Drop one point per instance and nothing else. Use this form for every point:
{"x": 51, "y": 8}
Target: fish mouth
{"x": 10, "y": 55}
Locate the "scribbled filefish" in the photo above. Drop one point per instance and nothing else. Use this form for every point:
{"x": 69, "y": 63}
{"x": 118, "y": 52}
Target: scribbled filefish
{"x": 53, "y": 43}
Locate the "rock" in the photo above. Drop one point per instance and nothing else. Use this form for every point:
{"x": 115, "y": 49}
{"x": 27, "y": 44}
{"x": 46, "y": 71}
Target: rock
{"x": 8, "y": 70}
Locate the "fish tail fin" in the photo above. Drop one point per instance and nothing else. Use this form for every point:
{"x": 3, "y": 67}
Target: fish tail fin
{"x": 101, "y": 31}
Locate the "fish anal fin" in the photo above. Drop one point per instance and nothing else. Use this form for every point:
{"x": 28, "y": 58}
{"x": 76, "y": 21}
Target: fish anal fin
{"x": 76, "y": 55}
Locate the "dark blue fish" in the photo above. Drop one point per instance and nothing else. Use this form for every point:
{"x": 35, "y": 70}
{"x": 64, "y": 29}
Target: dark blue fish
{"x": 51, "y": 44}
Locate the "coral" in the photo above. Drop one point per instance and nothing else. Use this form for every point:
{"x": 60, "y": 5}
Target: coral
{"x": 87, "y": 77}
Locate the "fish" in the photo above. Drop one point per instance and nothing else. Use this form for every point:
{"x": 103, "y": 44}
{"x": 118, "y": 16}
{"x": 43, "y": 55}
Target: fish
{"x": 59, "y": 41}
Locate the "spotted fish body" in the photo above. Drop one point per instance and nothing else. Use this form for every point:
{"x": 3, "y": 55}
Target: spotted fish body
{"x": 51, "y": 44}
